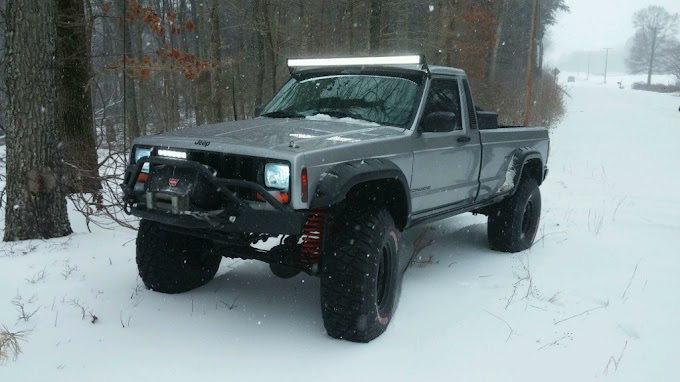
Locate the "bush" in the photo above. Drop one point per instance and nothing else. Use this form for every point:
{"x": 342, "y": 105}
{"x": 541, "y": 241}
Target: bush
{"x": 507, "y": 98}
{"x": 658, "y": 88}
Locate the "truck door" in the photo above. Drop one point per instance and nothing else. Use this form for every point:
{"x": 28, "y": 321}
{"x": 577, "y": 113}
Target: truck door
{"x": 447, "y": 151}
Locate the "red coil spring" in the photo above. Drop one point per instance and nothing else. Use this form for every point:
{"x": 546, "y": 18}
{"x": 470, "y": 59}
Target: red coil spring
{"x": 312, "y": 235}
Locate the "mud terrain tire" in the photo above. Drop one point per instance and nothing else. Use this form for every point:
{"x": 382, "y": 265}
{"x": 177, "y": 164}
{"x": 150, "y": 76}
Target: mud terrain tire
{"x": 513, "y": 224}
{"x": 169, "y": 262}
{"x": 360, "y": 278}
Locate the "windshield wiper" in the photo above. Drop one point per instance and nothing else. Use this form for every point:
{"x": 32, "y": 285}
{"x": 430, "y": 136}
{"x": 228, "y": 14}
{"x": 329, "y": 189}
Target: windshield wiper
{"x": 282, "y": 114}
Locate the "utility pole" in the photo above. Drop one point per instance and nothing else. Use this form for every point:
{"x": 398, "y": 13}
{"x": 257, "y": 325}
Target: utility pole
{"x": 588, "y": 75}
{"x": 530, "y": 69}
{"x": 606, "y": 61}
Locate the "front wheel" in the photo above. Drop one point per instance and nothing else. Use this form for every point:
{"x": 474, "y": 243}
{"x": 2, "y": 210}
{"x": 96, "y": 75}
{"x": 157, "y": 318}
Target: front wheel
{"x": 360, "y": 278}
{"x": 513, "y": 224}
{"x": 170, "y": 262}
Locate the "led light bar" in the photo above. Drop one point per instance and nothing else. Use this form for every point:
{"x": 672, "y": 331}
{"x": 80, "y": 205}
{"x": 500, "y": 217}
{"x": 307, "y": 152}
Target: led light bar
{"x": 356, "y": 61}
{"x": 172, "y": 154}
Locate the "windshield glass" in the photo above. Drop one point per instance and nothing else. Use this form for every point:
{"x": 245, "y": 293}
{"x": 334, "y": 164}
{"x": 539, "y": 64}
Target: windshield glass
{"x": 384, "y": 100}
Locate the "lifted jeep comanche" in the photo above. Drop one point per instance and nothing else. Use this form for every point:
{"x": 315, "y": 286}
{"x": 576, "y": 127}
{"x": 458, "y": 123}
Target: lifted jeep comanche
{"x": 350, "y": 153}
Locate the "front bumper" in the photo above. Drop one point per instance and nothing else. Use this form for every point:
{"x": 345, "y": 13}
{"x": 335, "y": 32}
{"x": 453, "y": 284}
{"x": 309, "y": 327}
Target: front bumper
{"x": 198, "y": 200}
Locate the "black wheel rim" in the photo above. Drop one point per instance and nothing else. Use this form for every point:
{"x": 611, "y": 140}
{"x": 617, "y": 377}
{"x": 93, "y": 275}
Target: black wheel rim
{"x": 528, "y": 218}
{"x": 383, "y": 278}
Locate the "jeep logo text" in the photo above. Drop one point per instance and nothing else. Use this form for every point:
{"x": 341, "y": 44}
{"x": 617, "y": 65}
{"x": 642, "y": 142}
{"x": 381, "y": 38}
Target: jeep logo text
{"x": 202, "y": 143}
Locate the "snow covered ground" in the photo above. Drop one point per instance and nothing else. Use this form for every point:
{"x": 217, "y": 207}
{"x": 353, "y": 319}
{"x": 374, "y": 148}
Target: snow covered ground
{"x": 594, "y": 299}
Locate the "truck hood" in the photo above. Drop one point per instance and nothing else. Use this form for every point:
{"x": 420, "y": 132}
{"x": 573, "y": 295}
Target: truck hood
{"x": 284, "y": 133}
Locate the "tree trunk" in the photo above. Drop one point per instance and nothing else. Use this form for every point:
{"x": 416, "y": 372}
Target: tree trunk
{"x": 129, "y": 92}
{"x": 272, "y": 42}
{"x": 259, "y": 34}
{"x": 497, "y": 44}
{"x": 375, "y": 25}
{"x": 196, "y": 87}
{"x": 171, "y": 94}
{"x": 75, "y": 98}
{"x": 184, "y": 46}
{"x": 650, "y": 69}
{"x": 36, "y": 201}
{"x": 140, "y": 83}
{"x": 216, "y": 92}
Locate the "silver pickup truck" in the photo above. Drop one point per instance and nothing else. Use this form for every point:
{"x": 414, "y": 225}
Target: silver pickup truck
{"x": 349, "y": 154}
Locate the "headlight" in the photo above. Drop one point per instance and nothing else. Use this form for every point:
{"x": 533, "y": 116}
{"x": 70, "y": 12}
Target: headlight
{"x": 142, "y": 152}
{"x": 277, "y": 175}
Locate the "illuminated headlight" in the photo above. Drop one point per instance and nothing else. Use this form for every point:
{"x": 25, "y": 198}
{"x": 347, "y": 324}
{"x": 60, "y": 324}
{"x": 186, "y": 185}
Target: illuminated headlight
{"x": 277, "y": 175}
{"x": 172, "y": 154}
{"x": 142, "y": 152}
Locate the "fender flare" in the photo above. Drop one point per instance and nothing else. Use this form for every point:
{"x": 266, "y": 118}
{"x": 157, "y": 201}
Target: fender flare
{"x": 520, "y": 158}
{"x": 339, "y": 180}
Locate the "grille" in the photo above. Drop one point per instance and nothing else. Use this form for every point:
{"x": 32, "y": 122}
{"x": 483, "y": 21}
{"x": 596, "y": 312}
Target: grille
{"x": 229, "y": 166}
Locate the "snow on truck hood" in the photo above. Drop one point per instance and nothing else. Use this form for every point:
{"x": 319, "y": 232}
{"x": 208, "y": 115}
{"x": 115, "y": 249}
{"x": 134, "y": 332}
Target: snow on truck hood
{"x": 310, "y": 133}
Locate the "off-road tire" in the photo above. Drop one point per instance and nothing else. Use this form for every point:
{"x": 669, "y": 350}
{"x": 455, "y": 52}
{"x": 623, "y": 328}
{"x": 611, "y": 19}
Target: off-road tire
{"x": 169, "y": 262}
{"x": 360, "y": 278}
{"x": 513, "y": 224}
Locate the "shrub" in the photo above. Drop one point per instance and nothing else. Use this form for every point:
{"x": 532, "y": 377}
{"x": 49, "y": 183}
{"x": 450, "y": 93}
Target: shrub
{"x": 658, "y": 88}
{"x": 507, "y": 98}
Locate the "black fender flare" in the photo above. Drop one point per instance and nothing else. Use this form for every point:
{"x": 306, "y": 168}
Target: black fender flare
{"x": 520, "y": 158}
{"x": 339, "y": 180}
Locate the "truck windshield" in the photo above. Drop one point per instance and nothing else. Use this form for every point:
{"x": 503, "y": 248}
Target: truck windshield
{"x": 380, "y": 99}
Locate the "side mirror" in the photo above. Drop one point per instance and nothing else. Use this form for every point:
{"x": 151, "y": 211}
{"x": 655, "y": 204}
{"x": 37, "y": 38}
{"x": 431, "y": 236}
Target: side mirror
{"x": 258, "y": 110}
{"x": 439, "y": 122}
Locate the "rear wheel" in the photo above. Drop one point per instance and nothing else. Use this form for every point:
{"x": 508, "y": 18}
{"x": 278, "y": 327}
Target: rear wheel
{"x": 513, "y": 224}
{"x": 169, "y": 262}
{"x": 359, "y": 282}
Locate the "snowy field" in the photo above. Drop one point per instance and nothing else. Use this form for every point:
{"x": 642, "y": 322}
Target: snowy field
{"x": 594, "y": 299}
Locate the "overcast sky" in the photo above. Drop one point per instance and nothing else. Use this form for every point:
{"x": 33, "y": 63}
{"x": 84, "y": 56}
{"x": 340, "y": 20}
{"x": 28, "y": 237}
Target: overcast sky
{"x": 597, "y": 24}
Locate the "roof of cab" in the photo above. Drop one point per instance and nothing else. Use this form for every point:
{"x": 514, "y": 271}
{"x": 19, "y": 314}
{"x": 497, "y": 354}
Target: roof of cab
{"x": 434, "y": 69}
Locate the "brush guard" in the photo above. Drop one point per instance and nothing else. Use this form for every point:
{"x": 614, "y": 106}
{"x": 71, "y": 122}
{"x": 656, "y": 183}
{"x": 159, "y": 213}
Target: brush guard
{"x": 184, "y": 193}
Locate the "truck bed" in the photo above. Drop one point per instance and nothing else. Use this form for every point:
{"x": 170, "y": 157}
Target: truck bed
{"x": 499, "y": 144}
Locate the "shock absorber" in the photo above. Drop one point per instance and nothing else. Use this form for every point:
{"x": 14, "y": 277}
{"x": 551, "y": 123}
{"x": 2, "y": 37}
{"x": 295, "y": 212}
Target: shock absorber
{"x": 312, "y": 236}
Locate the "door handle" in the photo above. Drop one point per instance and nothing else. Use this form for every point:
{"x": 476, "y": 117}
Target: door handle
{"x": 464, "y": 139}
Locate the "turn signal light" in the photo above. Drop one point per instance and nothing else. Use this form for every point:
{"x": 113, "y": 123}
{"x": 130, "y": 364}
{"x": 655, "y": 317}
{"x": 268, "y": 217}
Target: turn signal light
{"x": 282, "y": 197}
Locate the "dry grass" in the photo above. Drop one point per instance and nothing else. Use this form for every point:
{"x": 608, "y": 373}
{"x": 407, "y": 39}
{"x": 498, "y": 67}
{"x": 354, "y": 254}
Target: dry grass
{"x": 10, "y": 347}
{"x": 421, "y": 242}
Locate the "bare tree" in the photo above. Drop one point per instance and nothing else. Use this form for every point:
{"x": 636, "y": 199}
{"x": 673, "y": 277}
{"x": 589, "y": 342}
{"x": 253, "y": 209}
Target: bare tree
{"x": 671, "y": 59}
{"x": 36, "y": 202}
{"x": 215, "y": 55}
{"x": 656, "y": 30}
{"x": 75, "y": 98}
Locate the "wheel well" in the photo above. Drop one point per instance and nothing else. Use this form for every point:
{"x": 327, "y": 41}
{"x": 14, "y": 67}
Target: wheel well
{"x": 533, "y": 168}
{"x": 388, "y": 193}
